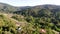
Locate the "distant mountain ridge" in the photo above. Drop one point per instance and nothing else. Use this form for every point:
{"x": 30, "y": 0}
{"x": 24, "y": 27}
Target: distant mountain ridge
{"x": 8, "y": 8}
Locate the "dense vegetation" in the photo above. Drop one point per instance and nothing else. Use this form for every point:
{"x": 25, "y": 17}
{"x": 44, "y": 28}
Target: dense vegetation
{"x": 7, "y": 26}
{"x": 43, "y": 19}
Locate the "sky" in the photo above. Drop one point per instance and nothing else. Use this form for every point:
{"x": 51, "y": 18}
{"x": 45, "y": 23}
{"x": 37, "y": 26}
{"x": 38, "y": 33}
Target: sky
{"x": 30, "y": 2}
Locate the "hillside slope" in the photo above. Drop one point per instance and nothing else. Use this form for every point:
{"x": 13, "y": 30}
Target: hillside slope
{"x": 7, "y": 8}
{"x": 40, "y": 19}
{"x": 10, "y": 25}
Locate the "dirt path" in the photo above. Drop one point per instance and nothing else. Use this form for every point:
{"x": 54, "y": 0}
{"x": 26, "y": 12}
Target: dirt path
{"x": 16, "y": 21}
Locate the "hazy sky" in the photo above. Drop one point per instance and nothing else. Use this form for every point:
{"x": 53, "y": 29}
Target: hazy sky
{"x": 30, "y": 2}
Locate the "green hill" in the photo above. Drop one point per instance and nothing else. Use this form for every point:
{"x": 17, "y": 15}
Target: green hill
{"x": 41, "y": 19}
{"x": 7, "y": 8}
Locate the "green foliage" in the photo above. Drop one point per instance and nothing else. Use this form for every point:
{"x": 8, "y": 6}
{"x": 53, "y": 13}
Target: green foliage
{"x": 37, "y": 18}
{"x": 6, "y": 24}
{"x": 18, "y": 17}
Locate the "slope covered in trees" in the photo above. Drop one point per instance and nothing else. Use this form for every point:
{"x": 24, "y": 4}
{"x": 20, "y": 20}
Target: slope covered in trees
{"x": 45, "y": 16}
{"x": 41, "y": 19}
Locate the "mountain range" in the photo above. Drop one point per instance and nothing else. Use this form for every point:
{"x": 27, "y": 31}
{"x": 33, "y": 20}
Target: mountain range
{"x": 6, "y": 7}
